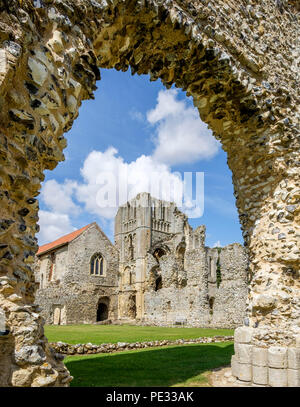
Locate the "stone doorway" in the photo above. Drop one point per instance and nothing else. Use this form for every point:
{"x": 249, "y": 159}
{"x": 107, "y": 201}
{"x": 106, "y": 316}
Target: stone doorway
{"x": 102, "y": 312}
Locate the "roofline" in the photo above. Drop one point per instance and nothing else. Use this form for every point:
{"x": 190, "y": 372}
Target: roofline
{"x": 67, "y": 243}
{"x": 53, "y": 248}
{"x": 64, "y": 243}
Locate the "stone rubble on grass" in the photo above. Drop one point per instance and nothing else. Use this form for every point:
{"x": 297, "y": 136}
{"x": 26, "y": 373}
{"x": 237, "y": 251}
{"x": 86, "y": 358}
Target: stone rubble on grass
{"x": 88, "y": 348}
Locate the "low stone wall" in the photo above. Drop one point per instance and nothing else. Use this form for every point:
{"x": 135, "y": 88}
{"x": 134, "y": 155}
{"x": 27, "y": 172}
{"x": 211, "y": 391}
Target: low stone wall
{"x": 89, "y": 348}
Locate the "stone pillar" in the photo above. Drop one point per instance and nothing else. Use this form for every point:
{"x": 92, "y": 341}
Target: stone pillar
{"x": 267, "y": 346}
{"x": 276, "y": 366}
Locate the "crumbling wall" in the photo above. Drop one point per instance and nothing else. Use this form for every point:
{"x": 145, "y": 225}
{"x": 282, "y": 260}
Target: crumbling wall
{"x": 169, "y": 306}
{"x": 202, "y": 302}
{"x": 77, "y": 290}
{"x": 230, "y": 297}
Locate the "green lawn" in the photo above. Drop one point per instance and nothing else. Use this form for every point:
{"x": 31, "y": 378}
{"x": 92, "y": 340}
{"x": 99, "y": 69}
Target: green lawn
{"x": 186, "y": 365}
{"x": 98, "y": 334}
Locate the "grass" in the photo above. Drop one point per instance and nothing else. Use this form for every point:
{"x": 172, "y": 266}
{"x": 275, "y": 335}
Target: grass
{"x": 186, "y": 365}
{"x": 98, "y": 334}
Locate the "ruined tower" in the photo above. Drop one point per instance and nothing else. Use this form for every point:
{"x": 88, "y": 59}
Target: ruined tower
{"x": 167, "y": 274}
{"x": 140, "y": 223}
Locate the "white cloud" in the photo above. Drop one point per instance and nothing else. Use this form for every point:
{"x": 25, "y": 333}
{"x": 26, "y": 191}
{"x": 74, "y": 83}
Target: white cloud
{"x": 58, "y": 197}
{"x": 181, "y": 137}
{"x": 217, "y": 244}
{"x": 136, "y": 115}
{"x": 109, "y": 180}
{"x": 52, "y": 226}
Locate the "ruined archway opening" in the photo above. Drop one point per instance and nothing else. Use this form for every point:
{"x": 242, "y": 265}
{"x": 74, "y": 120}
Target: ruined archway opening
{"x": 158, "y": 253}
{"x": 132, "y": 306}
{"x": 180, "y": 252}
{"x": 102, "y": 312}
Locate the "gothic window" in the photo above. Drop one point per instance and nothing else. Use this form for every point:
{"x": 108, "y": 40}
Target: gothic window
{"x": 97, "y": 265}
{"x": 127, "y": 279}
{"x": 130, "y": 248}
{"x": 159, "y": 252}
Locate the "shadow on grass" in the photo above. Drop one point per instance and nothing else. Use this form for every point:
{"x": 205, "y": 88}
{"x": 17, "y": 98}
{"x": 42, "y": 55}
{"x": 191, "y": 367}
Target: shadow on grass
{"x": 149, "y": 367}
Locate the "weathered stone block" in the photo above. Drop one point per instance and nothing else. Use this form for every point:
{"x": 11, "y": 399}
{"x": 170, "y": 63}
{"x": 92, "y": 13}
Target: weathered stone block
{"x": 293, "y": 377}
{"x": 260, "y": 374}
{"x": 294, "y": 358}
{"x": 243, "y": 334}
{"x": 38, "y": 71}
{"x": 277, "y": 377}
{"x": 260, "y": 356}
{"x": 22, "y": 377}
{"x": 234, "y": 366}
{"x": 245, "y": 372}
{"x": 277, "y": 357}
{"x": 3, "y": 61}
{"x": 244, "y": 353}
{"x": 34, "y": 355}
{"x": 235, "y": 344}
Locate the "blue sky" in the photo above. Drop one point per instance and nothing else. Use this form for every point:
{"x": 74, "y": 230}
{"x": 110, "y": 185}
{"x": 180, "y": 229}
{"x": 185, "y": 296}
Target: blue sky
{"x": 137, "y": 126}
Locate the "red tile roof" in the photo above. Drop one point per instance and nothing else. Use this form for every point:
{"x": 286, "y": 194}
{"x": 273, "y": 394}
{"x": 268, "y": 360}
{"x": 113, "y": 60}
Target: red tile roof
{"x": 61, "y": 241}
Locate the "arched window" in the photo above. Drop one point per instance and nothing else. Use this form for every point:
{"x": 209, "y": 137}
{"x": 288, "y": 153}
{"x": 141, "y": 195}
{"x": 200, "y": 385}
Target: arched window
{"x": 180, "y": 253}
{"x": 97, "y": 265}
{"x": 127, "y": 276}
{"x": 130, "y": 248}
{"x": 159, "y": 252}
{"x": 158, "y": 283}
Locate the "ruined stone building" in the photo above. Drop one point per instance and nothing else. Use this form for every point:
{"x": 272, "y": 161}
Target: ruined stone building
{"x": 158, "y": 272}
{"x": 78, "y": 277}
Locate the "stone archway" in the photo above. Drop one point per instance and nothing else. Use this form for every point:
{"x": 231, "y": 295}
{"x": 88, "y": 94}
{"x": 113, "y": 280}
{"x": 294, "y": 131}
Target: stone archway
{"x": 102, "y": 312}
{"x": 239, "y": 63}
